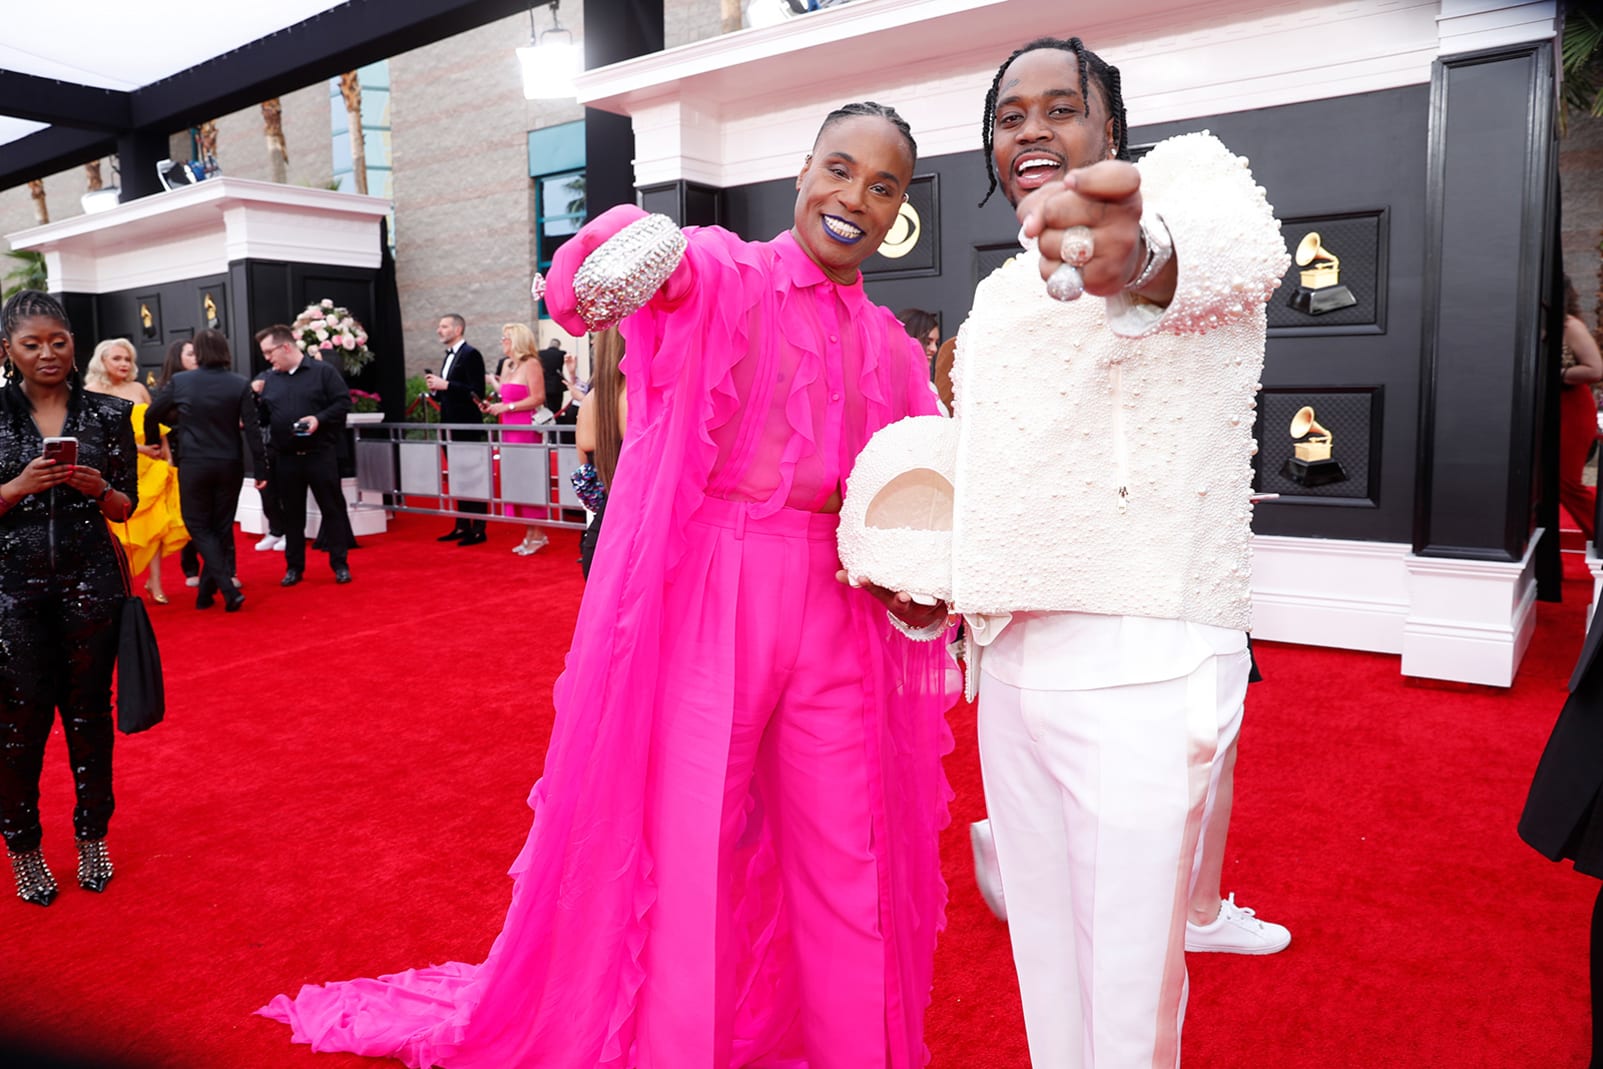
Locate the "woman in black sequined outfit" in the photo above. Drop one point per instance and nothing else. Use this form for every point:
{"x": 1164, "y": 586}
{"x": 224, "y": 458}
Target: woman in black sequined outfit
{"x": 61, "y": 587}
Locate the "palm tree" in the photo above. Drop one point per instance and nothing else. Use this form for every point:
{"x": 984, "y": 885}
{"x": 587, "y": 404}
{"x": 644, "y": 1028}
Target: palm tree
{"x": 351, "y": 90}
{"x": 208, "y": 144}
{"x": 574, "y": 187}
{"x": 41, "y": 210}
{"x": 27, "y": 273}
{"x": 277, "y": 150}
{"x": 1582, "y": 52}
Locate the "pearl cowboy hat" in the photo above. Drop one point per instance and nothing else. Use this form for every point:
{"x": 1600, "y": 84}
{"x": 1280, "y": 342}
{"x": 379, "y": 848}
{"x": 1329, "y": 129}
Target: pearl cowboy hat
{"x": 896, "y": 518}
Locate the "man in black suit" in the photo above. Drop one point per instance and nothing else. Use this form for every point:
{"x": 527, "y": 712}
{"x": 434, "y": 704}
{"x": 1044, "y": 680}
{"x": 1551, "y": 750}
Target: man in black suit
{"x": 303, "y": 406}
{"x": 551, "y": 369}
{"x": 209, "y": 406}
{"x": 458, "y": 388}
{"x": 1563, "y": 816}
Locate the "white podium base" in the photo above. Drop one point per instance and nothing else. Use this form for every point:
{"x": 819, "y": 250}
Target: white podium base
{"x": 1461, "y": 620}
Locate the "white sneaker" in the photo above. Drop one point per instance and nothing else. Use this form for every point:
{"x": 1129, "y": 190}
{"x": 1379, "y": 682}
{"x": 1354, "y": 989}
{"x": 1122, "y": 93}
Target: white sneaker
{"x": 987, "y": 872}
{"x": 266, "y": 542}
{"x": 1237, "y": 930}
{"x": 193, "y": 580}
{"x": 280, "y": 542}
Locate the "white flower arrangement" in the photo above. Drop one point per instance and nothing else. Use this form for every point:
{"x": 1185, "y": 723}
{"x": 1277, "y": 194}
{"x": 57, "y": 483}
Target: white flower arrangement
{"x": 332, "y": 333}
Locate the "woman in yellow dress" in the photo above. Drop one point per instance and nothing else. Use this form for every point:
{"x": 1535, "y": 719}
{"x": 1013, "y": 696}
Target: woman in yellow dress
{"x": 156, "y": 528}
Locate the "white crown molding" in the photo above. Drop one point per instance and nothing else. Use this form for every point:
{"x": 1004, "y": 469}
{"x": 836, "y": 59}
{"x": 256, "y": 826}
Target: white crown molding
{"x": 751, "y": 101}
{"x": 1470, "y": 25}
{"x": 200, "y": 229}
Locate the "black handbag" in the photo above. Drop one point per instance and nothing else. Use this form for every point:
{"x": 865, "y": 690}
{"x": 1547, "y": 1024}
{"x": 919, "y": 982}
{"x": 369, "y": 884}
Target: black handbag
{"x": 141, "y": 695}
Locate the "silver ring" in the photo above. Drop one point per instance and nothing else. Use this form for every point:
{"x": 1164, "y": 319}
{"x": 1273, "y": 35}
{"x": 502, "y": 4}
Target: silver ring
{"x": 1078, "y": 247}
{"x": 1065, "y": 283}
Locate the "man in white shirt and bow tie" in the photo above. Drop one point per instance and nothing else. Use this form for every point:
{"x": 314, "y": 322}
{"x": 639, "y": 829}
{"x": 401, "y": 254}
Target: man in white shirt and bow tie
{"x": 457, "y": 389}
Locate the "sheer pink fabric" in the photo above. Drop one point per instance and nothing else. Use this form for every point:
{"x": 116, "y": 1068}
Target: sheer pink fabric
{"x": 512, "y": 393}
{"x": 752, "y": 378}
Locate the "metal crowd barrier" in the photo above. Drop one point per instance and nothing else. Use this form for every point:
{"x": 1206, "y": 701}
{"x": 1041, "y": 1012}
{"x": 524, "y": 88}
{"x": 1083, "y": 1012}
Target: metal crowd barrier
{"x": 432, "y": 467}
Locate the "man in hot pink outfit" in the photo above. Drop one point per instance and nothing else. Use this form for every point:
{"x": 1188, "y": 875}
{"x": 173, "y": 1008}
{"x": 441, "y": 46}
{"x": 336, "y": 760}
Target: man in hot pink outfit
{"x": 733, "y": 858}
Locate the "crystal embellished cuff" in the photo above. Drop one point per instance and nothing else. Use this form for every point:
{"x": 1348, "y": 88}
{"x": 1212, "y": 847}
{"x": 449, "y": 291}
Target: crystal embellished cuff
{"x": 1160, "y": 250}
{"x": 925, "y": 634}
{"x": 619, "y": 278}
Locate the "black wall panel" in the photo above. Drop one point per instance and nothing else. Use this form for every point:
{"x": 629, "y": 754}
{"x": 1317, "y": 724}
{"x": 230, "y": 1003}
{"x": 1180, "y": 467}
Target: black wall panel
{"x": 1491, "y": 213}
{"x": 1357, "y": 154}
{"x": 252, "y": 295}
{"x": 176, "y": 311}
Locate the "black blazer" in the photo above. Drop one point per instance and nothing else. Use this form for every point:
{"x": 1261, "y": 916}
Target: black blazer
{"x": 1570, "y": 773}
{"x": 207, "y": 407}
{"x": 551, "y": 369}
{"x": 459, "y": 401}
{"x": 315, "y": 389}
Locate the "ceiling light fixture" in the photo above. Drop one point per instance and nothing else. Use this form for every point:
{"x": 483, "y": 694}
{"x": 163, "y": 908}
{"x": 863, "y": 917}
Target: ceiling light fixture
{"x": 550, "y": 62}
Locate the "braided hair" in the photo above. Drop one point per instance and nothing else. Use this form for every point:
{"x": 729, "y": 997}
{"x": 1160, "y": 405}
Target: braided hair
{"x": 1090, "y": 66}
{"x": 872, "y": 110}
{"x": 25, "y": 304}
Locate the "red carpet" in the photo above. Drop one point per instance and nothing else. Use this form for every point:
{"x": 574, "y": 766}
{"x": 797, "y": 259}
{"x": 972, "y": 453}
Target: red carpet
{"x": 339, "y": 788}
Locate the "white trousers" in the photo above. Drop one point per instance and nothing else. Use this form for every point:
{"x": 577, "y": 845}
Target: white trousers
{"x": 1096, "y": 800}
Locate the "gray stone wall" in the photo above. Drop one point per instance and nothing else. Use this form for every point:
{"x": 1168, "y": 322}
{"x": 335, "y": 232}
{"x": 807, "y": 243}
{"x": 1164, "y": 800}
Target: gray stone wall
{"x": 685, "y": 21}
{"x": 464, "y": 203}
{"x": 1581, "y": 172}
{"x": 242, "y": 142}
{"x": 61, "y": 198}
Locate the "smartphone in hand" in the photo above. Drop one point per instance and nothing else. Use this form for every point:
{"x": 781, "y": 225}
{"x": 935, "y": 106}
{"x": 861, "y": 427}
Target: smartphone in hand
{"x": 61, "y": 450}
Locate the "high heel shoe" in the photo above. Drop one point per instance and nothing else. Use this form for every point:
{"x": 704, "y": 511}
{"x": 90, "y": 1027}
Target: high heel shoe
{"x": 34, "y": 882}
{"x": 155, "y": 595}
{"x": 94, "y": 865}
{"x": 526, "y": 548}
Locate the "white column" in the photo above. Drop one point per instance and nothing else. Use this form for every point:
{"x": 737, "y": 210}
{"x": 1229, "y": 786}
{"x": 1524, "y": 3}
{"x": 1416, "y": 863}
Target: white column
{"x": 1469, "y": 620}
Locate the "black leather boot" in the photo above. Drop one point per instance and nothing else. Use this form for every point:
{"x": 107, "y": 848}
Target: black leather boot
{"x": 94, "y": 865}
{"x": 34, "y": 882}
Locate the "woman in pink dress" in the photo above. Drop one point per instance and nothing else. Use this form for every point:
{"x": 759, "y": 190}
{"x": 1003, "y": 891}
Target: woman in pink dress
{"x": 522, "y": 389}
{"x": 1580, "y": 370}
{"x": 733, "y": 856}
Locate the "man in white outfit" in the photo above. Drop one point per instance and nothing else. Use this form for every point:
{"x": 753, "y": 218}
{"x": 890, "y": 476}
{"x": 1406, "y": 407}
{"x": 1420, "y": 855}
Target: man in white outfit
{"x": 1101, "y": 540}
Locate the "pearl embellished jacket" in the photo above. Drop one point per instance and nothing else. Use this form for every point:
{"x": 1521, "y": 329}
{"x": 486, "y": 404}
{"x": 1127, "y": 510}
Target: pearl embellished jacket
{"x": 1104, "y": 452}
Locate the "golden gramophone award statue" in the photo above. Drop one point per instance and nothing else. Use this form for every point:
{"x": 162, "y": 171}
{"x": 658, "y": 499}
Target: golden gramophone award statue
{"x": 1311, "y": 463}
{"x": 1321, "y": 290}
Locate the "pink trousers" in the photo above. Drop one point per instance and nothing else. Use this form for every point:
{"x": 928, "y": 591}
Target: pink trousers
{"x": 783, "y": 742}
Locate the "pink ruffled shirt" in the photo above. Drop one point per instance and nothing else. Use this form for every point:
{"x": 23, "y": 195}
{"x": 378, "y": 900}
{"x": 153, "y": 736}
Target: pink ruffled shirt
{"x": 822, "y": 366}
